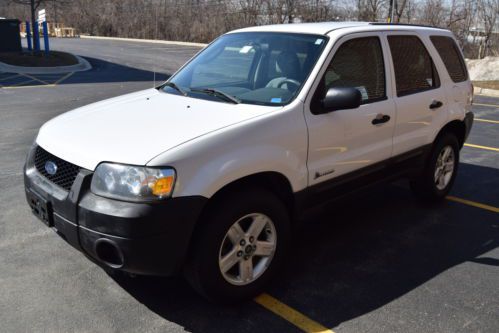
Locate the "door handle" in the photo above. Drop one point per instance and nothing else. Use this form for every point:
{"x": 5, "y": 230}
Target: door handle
{"x": 380, "y": 119}
{"x": 435, "y": 104}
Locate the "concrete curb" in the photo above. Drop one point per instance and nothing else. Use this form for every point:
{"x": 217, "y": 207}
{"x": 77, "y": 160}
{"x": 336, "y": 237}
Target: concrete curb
{"x": 485, "y": 91}
{"x": 152, "y": 41}
{"x": 81, "y": 66}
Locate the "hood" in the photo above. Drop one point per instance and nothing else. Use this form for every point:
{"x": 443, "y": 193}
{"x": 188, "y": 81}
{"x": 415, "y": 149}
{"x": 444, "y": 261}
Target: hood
{"x": 135, "y": 128}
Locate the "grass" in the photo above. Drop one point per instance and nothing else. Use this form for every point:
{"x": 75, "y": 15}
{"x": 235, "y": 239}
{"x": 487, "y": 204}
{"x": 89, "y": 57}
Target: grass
{"x": 487, "y": 84}
{"x": 54, "y": 59}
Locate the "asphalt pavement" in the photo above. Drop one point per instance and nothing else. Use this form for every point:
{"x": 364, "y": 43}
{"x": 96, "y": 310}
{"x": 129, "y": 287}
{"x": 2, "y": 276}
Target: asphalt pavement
{"x": 377, "y": 262}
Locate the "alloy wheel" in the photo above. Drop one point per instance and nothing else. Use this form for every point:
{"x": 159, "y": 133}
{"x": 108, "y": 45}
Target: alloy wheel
{"x": 247, "y": 249}
{"x": 444, "y": 167}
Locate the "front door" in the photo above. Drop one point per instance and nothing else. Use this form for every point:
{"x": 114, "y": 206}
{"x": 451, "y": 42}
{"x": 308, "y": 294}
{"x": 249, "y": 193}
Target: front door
{"x": 347, "y": 140}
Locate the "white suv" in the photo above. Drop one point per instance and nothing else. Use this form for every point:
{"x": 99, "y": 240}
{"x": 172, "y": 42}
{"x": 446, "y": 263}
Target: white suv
{"x": 209, "y": 172}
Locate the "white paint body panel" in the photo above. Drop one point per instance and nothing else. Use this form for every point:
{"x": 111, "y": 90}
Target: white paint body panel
{"x": 346, "y": 140}
{"x": 210, "y": 144}
{"x": 134, "y": 128}
{"x": 275, "y": 142}
{"x": 418, "y": 125}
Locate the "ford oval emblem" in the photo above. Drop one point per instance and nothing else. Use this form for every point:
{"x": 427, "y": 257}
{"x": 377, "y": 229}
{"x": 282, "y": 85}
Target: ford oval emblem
{"x": 50, "y": 167}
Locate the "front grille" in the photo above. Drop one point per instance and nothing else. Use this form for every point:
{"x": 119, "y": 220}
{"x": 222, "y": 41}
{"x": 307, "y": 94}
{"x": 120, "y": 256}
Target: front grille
{"x": 66, "y": 172}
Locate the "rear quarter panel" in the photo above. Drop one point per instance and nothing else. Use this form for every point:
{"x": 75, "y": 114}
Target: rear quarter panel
{"x": 458, "y": 95}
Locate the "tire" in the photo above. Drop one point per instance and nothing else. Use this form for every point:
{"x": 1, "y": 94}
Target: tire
{"x": 212, "y": 242}
{"x": 427, "y": 185}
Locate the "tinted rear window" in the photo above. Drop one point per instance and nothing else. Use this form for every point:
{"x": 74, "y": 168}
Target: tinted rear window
{"x": 414, "y": 68}
{"x": 449, "y": 52}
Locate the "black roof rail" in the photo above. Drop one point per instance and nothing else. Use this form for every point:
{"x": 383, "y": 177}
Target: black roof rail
{"x": 405, "y": 24}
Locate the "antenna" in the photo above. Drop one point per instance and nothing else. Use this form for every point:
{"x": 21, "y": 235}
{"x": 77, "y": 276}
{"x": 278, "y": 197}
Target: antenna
{"x": 155, "y": 38}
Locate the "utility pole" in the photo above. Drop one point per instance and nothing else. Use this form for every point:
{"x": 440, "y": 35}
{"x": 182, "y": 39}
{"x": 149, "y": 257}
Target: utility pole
{"x": 393, "y": 4}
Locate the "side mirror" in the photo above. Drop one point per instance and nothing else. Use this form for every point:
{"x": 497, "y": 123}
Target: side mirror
{"x": 340, "y": 99}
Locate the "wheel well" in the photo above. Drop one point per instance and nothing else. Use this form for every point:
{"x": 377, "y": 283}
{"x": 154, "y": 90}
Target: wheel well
{"x": 456, "y": 127}
{"x": 273, "y": 182}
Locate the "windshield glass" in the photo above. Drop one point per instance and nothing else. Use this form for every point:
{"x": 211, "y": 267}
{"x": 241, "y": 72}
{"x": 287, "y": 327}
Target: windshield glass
{"x": 251, "y": 67}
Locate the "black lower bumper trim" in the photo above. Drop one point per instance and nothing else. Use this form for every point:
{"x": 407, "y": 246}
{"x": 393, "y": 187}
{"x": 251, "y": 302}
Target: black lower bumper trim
{"x": 148, "y": 256}
{"x": 140, "y": 238}
{"x": 154, "y": 254}
{"x": 67, "y": 230}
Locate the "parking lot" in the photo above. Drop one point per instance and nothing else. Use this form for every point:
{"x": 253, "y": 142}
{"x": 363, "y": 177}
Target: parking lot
{"x": 377, "y": 262}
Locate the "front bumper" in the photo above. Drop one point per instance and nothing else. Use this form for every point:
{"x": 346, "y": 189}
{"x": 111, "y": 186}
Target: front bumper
{"x": 140, "y": 238}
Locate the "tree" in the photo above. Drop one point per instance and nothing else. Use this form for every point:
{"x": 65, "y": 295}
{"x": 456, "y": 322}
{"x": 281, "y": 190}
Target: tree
{"x": 433, "y": 12}
{"x": 474, "y": 22}
{"x": 488, "y": 11}
{"x": 369, "y": 10}
{"x": 399, "y": 10}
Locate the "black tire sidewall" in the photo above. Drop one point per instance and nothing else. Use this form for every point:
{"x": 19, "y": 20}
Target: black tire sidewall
{"x": 205, "y": 270}
{"x": 426, "y": 185}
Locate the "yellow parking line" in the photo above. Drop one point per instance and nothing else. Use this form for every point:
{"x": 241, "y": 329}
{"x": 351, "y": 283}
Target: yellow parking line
{"x": 34, "y": 78}
{"x": 9, "y": 77}
{"x": 291, "y": 315}
{"x": 487, "y": 121}
{"x": 63, "y": 78}
{"x": 310, "y": 326}
{"x": 473, "y": 203}
{"x": 483, "y": 104}
{"x": 21, "y": 83}
{"x": 37, "y": 86}
{"x": 481, "y": 147}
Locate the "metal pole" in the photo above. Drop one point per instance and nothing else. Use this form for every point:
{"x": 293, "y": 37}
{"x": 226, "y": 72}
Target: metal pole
{"x": 46, "y": 38}
{"x": 392, "y": 10}
{"x": 33, "y": 20}
{"x": 36, "y": 37}
{"x": 28, "y": 36}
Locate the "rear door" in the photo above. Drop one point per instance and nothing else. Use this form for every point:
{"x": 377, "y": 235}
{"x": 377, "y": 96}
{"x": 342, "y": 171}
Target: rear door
{"x": 459, "y": 89}
{"x": 419, "y": 97}
{"x": 347, "y": 140}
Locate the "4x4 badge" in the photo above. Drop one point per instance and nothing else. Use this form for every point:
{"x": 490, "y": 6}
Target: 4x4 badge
{"x": 50, "y": 167}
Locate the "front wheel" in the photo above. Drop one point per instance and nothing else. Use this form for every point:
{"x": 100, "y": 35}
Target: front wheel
{"x": 239, "y": 246}
{"x": 439, "y": 173}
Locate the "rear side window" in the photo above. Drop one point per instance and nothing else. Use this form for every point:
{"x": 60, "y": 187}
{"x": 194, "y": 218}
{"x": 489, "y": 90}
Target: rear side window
{"x": 414, "y": 68}
{"x": 358, "y": 63}
{"x": 449, "y": 52}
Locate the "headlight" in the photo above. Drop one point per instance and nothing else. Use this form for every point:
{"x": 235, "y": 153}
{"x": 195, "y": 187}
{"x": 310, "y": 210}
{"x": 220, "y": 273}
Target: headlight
{"x": 132, "y": 183}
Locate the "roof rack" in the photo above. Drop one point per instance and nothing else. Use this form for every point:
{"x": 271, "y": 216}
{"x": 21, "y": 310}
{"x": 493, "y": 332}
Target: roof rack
{"x": 405, "y": 24}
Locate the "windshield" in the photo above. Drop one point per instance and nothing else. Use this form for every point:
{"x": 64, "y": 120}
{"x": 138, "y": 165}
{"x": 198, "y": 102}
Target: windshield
{"x": 251, "y": 67}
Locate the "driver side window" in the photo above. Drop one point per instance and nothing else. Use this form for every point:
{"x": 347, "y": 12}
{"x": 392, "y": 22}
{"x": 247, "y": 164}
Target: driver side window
{"x": 358, "y": 63}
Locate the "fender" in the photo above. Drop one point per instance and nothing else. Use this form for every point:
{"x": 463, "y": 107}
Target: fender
{"x": 275, "y": 142}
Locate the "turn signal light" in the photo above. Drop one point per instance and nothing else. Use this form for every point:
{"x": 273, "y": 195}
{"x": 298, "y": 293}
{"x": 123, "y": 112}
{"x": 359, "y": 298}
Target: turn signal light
{"x": 163, "y": 186}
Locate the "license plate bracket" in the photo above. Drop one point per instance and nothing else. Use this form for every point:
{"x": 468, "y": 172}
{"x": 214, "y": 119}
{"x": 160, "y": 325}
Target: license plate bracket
{"x": 41, "y": 208}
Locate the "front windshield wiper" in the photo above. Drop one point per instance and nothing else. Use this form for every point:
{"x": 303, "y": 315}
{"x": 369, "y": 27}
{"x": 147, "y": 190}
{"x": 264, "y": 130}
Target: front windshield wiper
{"x": 174, "y": 86}
{"x": 219, "y": 93}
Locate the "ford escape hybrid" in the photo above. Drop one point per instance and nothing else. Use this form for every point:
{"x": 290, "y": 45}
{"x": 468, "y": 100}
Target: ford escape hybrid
{"x": 207, "y": 173}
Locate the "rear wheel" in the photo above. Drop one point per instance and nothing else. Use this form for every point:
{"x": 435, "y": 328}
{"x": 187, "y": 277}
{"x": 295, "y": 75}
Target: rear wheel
{"x": 239, "y": 246}
{"x": 439, "y": 173}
